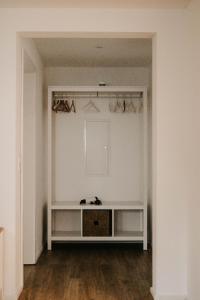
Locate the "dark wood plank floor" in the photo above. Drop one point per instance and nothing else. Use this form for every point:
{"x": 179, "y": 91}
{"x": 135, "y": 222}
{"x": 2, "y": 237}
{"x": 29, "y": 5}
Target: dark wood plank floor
{"x": 90, "y": 272}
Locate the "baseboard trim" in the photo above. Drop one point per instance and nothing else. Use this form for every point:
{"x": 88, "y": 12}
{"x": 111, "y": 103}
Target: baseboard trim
{"x": 152, "y": 292}
{"x": 13, "y": 297}
{"x": 19, "y": 292}
{"x": 166, "y": 297}
{"x": 170, "y": 297}
{"x": 39, "y": 253}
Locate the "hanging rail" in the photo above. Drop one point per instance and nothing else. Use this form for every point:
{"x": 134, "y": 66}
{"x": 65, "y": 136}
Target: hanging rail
{"x": 106, "y": 95}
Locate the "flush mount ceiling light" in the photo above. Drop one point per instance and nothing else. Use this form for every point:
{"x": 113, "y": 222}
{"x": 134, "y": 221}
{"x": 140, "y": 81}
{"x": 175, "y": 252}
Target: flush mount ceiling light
{"x": 99, "y": 47}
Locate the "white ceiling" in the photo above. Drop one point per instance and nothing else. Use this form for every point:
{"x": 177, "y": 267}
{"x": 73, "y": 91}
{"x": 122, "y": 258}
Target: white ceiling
{"x": 93, "y": 52}
{"x": 96, "y": 3}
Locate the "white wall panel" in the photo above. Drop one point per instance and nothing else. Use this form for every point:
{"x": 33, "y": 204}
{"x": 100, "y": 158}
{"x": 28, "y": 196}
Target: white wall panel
{"x": 29, "y": 168}
{"x": 97, "y": 147}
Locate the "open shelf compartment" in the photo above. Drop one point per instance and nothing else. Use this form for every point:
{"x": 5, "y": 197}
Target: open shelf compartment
{"x": 69, "y": 225}
{"x": 128, "y": 224}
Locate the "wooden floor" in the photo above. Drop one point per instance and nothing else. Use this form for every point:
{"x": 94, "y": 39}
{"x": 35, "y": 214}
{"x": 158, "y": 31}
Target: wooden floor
{"x": 90, "y": 272}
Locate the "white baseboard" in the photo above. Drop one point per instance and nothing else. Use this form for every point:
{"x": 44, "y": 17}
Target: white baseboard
{"x": 152, "y": 292}
{"x": 13, "y": 297}
{"x": 9, "y": 297}
{"x": 166, "y": 297}
{"x": 19, "y": 292}
{"x": 39, "y": 253}
{"x": 170, "y": 297}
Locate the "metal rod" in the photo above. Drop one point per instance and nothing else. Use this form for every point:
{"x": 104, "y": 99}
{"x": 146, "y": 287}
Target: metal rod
{"x": 123, "y": 95}
{"x": 99, "y": 97}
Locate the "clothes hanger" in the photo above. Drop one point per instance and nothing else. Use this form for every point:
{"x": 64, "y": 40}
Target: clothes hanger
{"x": 112, "y": 106}
{"x": 124, "y": 105}
{"x": 119, "y": 107}
{"x": 139, "y": 106}
{"x": 90, "y": 107}
{"x": 55, "y": 104}
{"x": 73, "y": 107}
{"x": 61, "y": 106}
{"x": 127, "y": 108}
{"x": 131, "y": 107}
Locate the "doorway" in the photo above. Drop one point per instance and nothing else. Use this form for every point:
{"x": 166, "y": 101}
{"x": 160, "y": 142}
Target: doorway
{"x": 93, "y": 71}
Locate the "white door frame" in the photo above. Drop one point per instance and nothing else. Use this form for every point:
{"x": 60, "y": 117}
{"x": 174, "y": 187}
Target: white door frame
{"x": 97, "y": 35}
{"x": 21, "y": 162}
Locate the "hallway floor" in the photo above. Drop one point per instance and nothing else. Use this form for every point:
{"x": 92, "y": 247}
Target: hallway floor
{"x": 90, "y": 272}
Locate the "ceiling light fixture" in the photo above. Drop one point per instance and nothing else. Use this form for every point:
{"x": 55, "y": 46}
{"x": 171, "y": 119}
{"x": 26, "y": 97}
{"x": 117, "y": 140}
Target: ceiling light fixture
{"x": 99, "y": 47}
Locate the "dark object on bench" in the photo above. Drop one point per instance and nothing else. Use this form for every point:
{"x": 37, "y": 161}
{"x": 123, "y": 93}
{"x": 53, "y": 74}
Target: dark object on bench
{"x": 83, "y": 201}
{"x": 96, "y": 202}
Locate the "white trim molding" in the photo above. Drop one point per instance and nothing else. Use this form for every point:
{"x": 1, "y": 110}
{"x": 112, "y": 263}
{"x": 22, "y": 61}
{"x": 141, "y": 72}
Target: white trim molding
{"x": 13, "y": 296}
{"x": 170, "y": 297}
{"x": 1, "y": 263}
{"x": 167, "y": 297}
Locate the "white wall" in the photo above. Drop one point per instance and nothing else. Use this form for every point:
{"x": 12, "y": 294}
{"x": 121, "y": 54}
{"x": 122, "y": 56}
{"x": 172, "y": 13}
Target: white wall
{"x": 40, "y": 155}
{"x": 170, "y": 113}
{"x": 193, "y": 168}
{"x": 33, "y": 163}
{"x": 33, "y": 154}
{"x": 124, "y": 181}
{"x": 29, "y": 167}
{"x": 92, "y": 76}
{"x": 115, "y": 76}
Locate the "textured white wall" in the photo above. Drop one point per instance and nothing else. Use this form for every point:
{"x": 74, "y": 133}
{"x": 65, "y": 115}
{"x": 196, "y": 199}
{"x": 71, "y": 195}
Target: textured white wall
{"x": 170, "y": 114}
